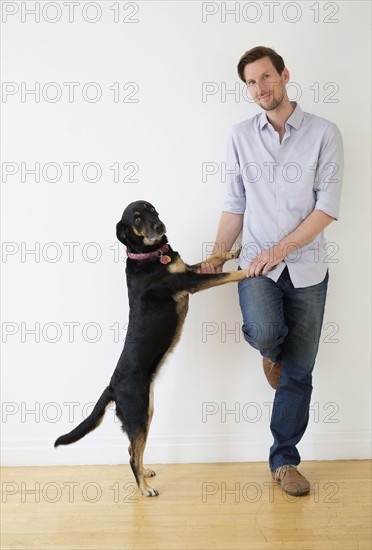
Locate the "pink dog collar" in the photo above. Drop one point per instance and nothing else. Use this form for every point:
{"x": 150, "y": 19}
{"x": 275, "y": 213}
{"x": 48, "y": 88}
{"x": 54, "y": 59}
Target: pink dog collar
{"x": 160, "y": 253}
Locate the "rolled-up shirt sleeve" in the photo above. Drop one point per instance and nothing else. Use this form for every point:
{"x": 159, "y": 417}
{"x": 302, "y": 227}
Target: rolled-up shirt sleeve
{"x": 328, "y": 182}
{"x": 235, "y": 199}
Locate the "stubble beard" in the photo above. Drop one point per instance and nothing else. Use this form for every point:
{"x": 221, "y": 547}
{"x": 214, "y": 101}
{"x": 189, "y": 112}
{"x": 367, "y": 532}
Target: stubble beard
{"x": 274, "y": 103}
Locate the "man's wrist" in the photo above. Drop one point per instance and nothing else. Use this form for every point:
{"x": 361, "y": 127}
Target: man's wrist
{"x": 285, "y": 247}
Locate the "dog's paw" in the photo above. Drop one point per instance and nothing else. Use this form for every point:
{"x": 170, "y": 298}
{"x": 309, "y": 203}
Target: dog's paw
{"x": 235, "y": 253}
{"x": 149, "y": 473}
{"x": 150, "y": 492}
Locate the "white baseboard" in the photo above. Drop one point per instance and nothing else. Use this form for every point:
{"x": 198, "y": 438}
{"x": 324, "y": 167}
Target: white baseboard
{"x": 181, "y": 449}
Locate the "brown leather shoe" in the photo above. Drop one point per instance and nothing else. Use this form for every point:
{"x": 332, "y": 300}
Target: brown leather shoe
{"x": 291, "y": 481}
{"x": 272, "y": 371}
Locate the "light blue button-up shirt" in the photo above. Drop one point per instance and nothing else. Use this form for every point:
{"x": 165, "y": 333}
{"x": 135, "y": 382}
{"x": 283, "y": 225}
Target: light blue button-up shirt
{"x": 277, "y": 185}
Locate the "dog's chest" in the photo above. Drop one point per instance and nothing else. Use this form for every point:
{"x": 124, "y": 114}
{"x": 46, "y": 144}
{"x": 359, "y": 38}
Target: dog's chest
{"x": 182, "y": 305}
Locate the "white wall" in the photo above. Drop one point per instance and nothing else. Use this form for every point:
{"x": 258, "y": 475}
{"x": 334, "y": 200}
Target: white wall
{"x": 168, "y": 133}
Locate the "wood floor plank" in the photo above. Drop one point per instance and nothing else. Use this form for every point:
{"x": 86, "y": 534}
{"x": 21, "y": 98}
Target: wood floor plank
{"x": 201, "y": 506}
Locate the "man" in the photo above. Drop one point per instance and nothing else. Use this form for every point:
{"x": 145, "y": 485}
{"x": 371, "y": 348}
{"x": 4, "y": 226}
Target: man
{"x": 285, "y": 171}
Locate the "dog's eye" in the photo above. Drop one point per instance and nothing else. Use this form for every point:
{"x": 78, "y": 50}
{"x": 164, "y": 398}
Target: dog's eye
{"x": 137, "y": 220}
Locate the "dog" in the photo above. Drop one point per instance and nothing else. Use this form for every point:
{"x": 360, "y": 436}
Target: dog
{"x": 159, "y": 283}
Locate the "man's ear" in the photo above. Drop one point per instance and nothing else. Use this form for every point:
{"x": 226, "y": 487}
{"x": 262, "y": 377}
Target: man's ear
{"x": 285, "y": 75}
{"x": 122, "y": 232}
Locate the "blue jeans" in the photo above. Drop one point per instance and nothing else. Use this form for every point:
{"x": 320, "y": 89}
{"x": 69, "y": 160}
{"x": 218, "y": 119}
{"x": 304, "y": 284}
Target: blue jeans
{"x": 284, "y": 323}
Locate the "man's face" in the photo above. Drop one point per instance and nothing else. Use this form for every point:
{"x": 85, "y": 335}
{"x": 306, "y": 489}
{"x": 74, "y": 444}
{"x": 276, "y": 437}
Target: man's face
{"x": 265, "y": 85}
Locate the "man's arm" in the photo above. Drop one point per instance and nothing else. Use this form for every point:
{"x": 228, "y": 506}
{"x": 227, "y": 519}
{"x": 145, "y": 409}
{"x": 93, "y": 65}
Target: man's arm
{"x": 303, "y": 234}
{"x": 229, "y": 228}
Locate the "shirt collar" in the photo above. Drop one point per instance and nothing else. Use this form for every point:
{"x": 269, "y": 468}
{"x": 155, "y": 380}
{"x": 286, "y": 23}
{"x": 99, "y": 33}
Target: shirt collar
{"x": 294, "y": 120}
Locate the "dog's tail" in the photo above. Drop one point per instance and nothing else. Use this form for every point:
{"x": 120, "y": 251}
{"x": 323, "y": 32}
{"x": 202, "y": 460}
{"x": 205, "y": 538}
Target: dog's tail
{"x": 90, "y": 423}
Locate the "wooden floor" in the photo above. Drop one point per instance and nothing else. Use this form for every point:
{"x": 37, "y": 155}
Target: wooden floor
{"x": 201, "y": 506}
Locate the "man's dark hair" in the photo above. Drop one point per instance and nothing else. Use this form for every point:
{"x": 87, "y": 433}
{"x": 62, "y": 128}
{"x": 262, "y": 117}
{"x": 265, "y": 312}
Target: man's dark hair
{"x": 258, "y": 53}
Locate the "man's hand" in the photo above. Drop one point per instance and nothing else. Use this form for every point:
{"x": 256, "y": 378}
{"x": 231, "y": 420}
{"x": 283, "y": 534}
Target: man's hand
{"x": 303, "y": 234}
{"x": 207, "y": 267}
{"x": 229, "y": 227}
{"x": 266, "y": 260}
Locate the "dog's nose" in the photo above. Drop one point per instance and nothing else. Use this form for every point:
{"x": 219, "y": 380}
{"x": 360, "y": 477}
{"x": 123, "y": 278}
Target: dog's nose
{"x": 159, "y": 227}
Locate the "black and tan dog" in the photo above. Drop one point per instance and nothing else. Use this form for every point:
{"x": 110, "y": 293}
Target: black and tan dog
{"x": 159, "y": 284}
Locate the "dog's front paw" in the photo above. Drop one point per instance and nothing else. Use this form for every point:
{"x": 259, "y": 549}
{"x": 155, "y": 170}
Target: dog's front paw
{"x": 235, "y": 253}
{"x": 149, "y": 473}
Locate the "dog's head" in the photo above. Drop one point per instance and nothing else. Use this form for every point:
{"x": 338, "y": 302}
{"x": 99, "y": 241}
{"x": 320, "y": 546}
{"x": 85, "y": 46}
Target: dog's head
{"x": 140, "y": 226}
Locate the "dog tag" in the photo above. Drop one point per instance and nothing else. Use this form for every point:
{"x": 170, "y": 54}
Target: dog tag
{"x": 165, "y": 259}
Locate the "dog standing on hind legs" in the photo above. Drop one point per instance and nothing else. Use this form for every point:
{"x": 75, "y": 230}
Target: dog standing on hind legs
{"x": 159, "y": 284}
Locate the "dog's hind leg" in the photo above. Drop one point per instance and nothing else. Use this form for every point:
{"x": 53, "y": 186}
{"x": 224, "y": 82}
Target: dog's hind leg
{"x": 148, "y": 472}
{"x": 137, "y": 444}
{"x": 136, "y": 450}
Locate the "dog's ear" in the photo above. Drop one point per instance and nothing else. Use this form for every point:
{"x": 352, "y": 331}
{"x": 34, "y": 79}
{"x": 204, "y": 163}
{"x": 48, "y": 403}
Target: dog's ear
{"x": 122, "y": 232}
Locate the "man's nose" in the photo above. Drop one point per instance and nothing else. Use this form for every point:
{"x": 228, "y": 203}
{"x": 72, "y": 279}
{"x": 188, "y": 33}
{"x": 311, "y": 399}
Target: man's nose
{"x": 256, "y": 89}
